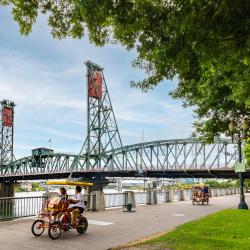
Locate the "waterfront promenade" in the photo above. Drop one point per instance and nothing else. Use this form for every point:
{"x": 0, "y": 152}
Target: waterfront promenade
{"x": 112, "y": 228}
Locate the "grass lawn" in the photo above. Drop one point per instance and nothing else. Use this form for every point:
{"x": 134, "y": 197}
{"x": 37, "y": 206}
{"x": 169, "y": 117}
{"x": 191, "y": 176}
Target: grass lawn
{"x": 228, "y": 229}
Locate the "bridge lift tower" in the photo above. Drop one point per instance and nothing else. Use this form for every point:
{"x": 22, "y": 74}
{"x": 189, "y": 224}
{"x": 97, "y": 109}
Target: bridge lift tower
{"x": 6, "y": 143}
{"x": 102, "y": 130}
{"x": 6, "y": 132}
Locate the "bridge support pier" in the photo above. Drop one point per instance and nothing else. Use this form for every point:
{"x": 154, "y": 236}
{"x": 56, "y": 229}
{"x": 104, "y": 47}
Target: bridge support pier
{"x": 6, "y": 189}
{"x": 99, "y": 184}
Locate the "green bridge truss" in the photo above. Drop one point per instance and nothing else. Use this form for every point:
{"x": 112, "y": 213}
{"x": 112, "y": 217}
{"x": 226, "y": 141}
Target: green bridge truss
{"x": 167, "y": 158}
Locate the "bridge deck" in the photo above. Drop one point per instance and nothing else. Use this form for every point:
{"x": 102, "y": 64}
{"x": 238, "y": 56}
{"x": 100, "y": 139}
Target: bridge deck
{"x": 119, "y": 228}
{"x": 215, "y": 173}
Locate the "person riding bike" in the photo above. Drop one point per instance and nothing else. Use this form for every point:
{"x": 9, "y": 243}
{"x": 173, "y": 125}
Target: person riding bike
{"x": 76, "y": 206}
{"x": 62, "y": 203}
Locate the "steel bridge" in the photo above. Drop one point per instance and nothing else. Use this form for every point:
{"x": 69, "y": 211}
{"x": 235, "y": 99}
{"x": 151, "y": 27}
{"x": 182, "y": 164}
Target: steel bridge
{"x": 103, "y": 154}
{"x": 187, "y": 158}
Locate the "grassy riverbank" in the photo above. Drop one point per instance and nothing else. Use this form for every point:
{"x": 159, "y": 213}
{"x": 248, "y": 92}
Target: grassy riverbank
{"x": 228, "y": 229}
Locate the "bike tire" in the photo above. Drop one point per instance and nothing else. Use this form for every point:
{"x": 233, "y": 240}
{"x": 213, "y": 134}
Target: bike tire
{"x": 33, "y": 228}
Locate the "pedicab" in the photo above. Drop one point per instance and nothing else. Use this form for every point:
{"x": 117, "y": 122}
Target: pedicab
{"x": 54, "y": 214}
{"x": 200, "y": 194}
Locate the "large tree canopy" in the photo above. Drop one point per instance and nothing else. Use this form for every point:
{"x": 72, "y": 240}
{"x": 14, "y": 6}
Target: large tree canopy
{"x": 205, "y": 43}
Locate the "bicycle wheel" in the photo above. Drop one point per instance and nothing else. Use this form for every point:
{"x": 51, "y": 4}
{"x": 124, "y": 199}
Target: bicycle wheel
{"x": 55, "y": 230}
{"x": 82, "y": 225}
{"x": 37, "y": 227}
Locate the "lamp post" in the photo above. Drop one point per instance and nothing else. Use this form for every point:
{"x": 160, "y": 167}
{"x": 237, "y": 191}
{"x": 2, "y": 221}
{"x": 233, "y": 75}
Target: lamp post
{"x": 239, "y": 133}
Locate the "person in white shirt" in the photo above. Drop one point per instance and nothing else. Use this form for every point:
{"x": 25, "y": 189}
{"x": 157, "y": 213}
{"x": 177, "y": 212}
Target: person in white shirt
{"x": 77, "y": 205}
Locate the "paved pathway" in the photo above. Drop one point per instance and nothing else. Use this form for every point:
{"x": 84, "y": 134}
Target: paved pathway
{"x": 113, "y": 227}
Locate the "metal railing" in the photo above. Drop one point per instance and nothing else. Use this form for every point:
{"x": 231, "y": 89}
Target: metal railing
{"x": 176, "y": 194}
{"x": 114, "y": 200}
{"x": 14, "y": 207}
{"x": 141, "y": 198}
{"x": 161, "y": 196}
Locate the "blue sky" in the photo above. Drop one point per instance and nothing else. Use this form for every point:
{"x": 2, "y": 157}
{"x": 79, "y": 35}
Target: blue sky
{"x": 46, "y": 79}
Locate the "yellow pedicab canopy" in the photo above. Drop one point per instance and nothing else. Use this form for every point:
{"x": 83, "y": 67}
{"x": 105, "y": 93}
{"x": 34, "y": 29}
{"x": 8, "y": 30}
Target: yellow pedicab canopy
{"x": 69, "y": 183}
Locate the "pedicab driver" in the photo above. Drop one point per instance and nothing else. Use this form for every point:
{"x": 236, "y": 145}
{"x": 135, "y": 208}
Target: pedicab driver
{"x": 77, "y": 205}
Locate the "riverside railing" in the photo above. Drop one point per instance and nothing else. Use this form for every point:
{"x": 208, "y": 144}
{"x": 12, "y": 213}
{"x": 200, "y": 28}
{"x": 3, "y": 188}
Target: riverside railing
{"x": 141, "y": 198}
{"x": 161, "y": 196}
{"x": 114, "y": 200}
{"x": 14, "y": 207}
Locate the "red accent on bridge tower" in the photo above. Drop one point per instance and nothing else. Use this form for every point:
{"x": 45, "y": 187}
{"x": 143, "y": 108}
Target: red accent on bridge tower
{"x": 95, "y": 85}
{"x": 6, "y": 132}
{"x": 7, "y": 116}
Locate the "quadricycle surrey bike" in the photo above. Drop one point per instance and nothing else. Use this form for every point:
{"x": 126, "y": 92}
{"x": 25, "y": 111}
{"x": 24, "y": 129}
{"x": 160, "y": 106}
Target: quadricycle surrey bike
{"x": 55, "y": 217}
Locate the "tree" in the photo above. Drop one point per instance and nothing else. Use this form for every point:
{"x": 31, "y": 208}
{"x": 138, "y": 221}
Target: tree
{"x": 247, "y": 151}
{"x": 206, "y": 43}
{"x": 36, "y": 187}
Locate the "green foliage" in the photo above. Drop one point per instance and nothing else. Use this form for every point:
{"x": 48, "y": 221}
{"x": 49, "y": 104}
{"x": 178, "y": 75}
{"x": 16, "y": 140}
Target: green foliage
{"x": 18, "y": 188}
{"x": 247, "y": 151}
{"x": 224, "y": 184}
{"x": 36, "y": 187}
{"x": 223, "y": 230}
{"x": 212, "y": 184}
{"x": 206, "y": 44}
{"x": 247, "y": 183}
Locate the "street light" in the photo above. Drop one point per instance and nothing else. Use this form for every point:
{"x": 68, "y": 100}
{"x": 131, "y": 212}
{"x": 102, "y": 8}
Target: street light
{"x": 239, "y": 133}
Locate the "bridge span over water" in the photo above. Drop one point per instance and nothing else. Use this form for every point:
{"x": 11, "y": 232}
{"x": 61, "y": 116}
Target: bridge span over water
{"x": 103, "y": 154}
{"x": 187, "y": 158}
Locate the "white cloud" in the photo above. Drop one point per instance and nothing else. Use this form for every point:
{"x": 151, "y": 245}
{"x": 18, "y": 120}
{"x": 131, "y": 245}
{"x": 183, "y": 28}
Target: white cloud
{"x": 27, "y": 81}
{"x": 54, "y": 132}
{"x": 46, "y": 79}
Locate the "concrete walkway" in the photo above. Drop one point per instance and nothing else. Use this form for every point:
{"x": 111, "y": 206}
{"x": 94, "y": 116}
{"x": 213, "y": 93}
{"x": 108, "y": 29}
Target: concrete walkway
{"x": 113, "y": 227}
